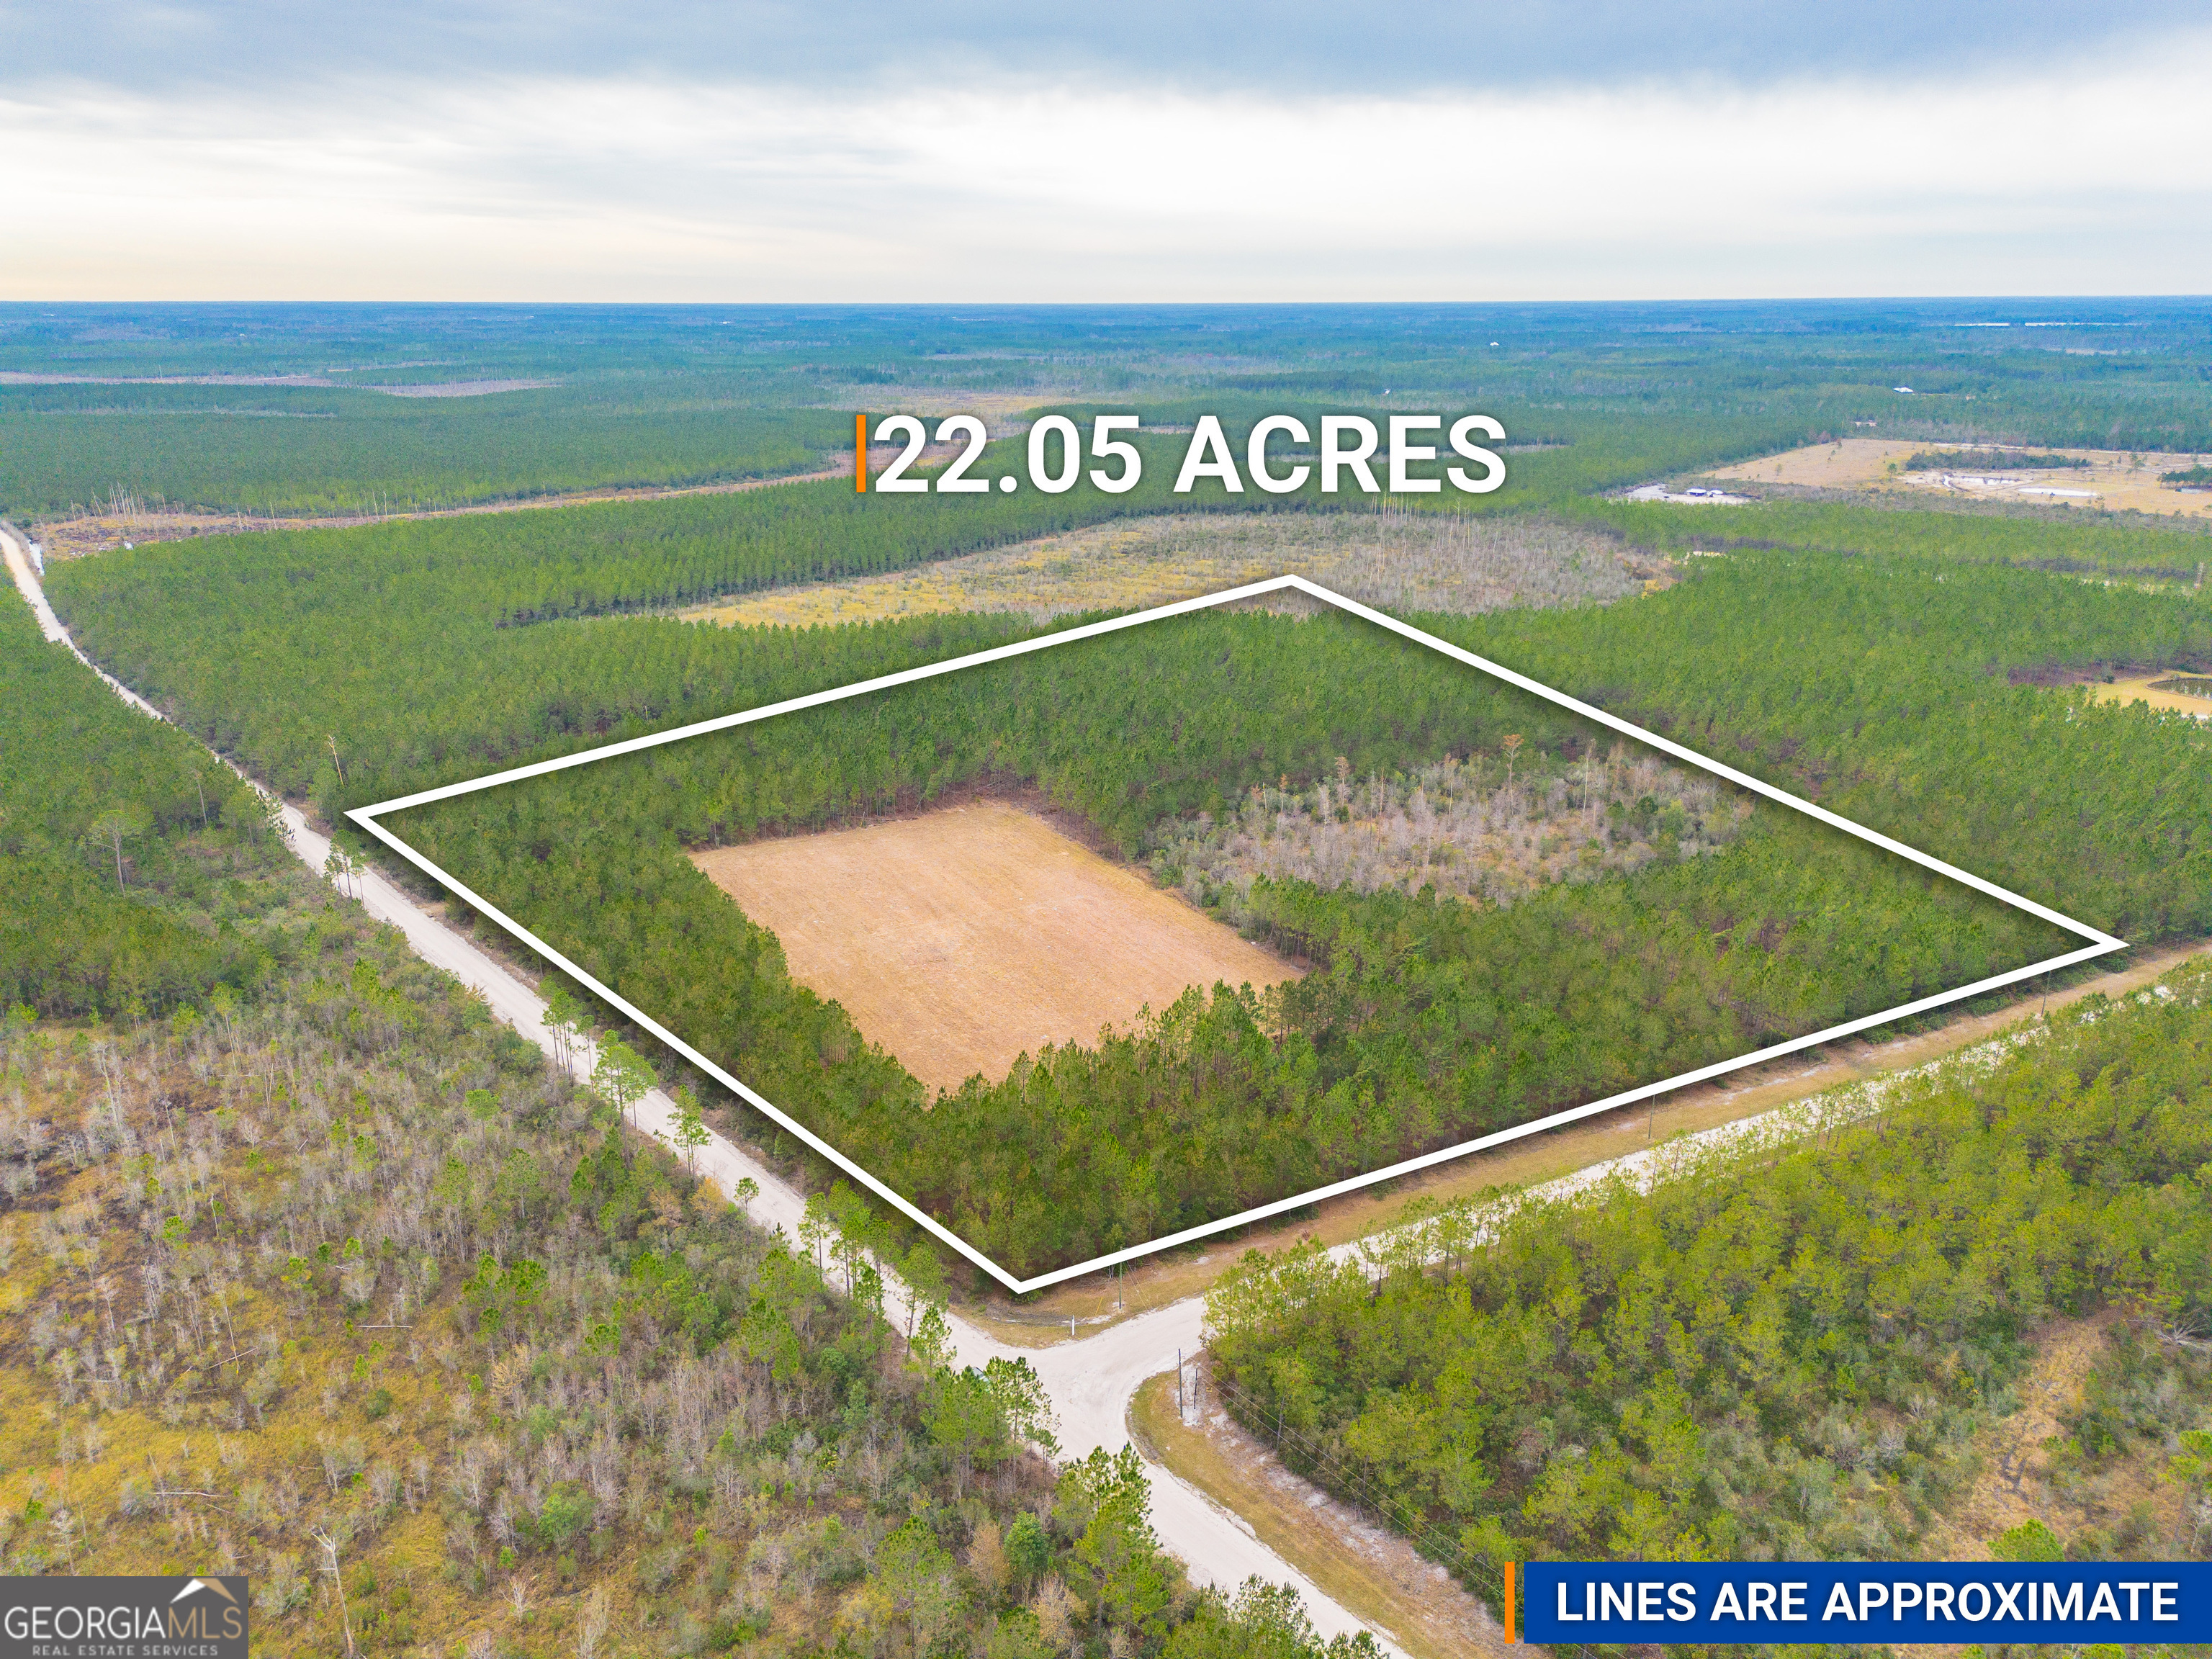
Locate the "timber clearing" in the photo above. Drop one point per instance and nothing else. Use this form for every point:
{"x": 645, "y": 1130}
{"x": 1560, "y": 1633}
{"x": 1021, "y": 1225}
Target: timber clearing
{"x": 2163, "y": 689}
{"x": 1401, "y": 559}
{"x": 964, "y": 939}
{"x": 2111, "y": 478}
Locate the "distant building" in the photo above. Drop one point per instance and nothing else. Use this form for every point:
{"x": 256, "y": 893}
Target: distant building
{"x": 1905, "y": 389}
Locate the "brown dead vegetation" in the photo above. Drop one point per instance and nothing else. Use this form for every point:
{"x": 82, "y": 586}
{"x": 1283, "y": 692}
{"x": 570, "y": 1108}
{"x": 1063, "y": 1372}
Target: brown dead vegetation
{"x": 1404, "y": 561}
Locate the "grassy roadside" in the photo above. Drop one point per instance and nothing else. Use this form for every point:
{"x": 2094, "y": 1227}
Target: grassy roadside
{"x": 1375, "y": 1575}
{"x": 1093, "y": 1303}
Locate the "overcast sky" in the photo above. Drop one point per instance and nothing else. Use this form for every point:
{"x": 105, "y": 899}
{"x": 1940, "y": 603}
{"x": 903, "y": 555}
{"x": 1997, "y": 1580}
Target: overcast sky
{"x": 671, "y": 150}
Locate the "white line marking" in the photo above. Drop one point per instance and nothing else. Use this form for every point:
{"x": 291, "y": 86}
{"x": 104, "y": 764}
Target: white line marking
{"x": 2100, "y": 943}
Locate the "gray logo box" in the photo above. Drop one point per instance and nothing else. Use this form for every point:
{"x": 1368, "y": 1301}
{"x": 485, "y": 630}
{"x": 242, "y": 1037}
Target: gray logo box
{"x": 170, "y": 1618}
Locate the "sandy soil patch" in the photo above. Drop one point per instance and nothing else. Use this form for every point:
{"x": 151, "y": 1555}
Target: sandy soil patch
{"x": 962, "y": 939}
{"x": 2115, "y": 478}
{"x": 1694, "y": 497}
{"x": 2012, "y": 1486}
{"x": 2144, "y": 688}
{"x": 2022, "y": 1479}
{"x": 1848, "y": 464}
{"x": 1405, "y": 561}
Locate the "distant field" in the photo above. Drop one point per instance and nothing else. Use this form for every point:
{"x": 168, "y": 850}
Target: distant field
{"x": 964, "y": 939}
{"x": 1413, "y": 561}
{"x": 2113, "y": 478}
{"x": 2159, "y": 691}
{"x": 127, "y": 522}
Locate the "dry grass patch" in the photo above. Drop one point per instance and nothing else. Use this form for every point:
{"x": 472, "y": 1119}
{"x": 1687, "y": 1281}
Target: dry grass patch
{"x": 1405, "y": 561}
{"x": 2113, "y": 1501}
{"x": 2158, "y": 691}
{"x": 1457, "y": 827}
{"x": 2113, "y": 478}
{"x": 962, "y": 939}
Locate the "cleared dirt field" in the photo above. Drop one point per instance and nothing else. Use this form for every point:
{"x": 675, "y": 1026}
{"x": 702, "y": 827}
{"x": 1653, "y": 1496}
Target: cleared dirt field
{"x": 964, "y": 939}
{"x": 1408, "y": 560}
{"x": 2114, "y": 478}
{"x": 2145, "y": 689}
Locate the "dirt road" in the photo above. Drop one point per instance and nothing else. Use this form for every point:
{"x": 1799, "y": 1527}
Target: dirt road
{"x": 1090, "y": 1382}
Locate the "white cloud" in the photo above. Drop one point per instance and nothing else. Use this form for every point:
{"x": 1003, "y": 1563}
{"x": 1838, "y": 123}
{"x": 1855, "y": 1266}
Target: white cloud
{"x": 552, "y": 190}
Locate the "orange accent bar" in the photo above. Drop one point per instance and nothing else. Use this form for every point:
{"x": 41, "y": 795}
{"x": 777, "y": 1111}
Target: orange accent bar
{"x": 860, "y": 453}
{"x": 1509, "y": 1620}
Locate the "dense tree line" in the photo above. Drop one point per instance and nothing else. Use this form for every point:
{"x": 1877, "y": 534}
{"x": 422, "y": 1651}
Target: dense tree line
{"x": 2086, "y": 546}
{"x": 648, "y": 396}
{"x": 1777, "y": 1353}
{"x": 128, "y": 855}
{"x": 1426, "y": 1023}
{"x": 330, "y": 624}
{"x": 389, "y": 639}
{"x": 333, "y": 622}
{"x": 327, "y": 1279}
{"x": 1882, "y": 686}
{"x": 291, "y": 450}
{"x": 1952, "y": 460}
{"x": 1925, "y": 700}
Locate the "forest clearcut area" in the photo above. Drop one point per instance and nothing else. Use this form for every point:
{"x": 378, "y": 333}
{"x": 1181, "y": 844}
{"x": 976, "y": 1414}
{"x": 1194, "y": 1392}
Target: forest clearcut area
{"x": 2138, "y": 481}
{"x": 1393, "y": 557}
{"x": 2182, "y": 692}
{"x": 964, "y": 938}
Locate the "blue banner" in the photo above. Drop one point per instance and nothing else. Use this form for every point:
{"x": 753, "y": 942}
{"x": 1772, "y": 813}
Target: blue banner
{"x": 1952, "y": 1602}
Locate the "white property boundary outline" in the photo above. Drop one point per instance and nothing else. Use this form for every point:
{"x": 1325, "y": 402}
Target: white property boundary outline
{"x": 2100, "y": 943}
